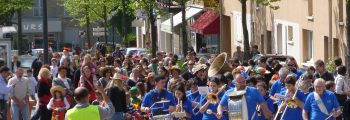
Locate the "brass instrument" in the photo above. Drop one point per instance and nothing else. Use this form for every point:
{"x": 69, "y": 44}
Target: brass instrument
{"x": 213, "y": 97}
{"x": 219, "y": 65}
{"x": 292, "y": 102}
{"x": 258, "y": 110}
{"x": 180, "y": 113}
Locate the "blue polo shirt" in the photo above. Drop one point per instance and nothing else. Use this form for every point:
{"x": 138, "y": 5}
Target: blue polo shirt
{"x": 298, "y": 72}
{"x": 196, "y": 97}
{"x": 148, "y": 100}
{"x": 253, "y": 98}
{"x": 328, "y": 98}
{"x": 270, "y": 105}
{"x": 277, "y": 87}
{"x": 294, "y": 113}
{"x": 213, "y": 107}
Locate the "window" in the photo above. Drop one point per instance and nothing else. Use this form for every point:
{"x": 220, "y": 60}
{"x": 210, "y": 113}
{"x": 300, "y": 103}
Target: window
{"x": 290, "y": 33}
{"x": 336, "y": 47}
{"x": 37, "y": 8}
{"x": 341, "y": 10}
{"x": 310, "y": 45}
{"x": 310, "y": 7}
{"x": 325, "y": 48}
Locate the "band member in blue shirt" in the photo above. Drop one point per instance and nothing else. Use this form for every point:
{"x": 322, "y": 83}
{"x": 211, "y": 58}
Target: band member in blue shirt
{"x": 185, "y": 106}
{"x": 294, "y": 101}
{"x": 194, "y": 96}
{"x": 321, "y": 104}
{"x": 262, "y": 87}
{"x": 210, "y": 102}
{"x": 279, "y": 85}
{"x": 252, "y": 96}
{"x": 149, "y": 104}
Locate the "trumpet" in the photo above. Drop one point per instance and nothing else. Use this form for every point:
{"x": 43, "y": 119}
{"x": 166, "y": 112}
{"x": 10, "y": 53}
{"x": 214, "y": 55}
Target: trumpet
{"x": 211, "y": 96}
{"x": 180, "y": 113}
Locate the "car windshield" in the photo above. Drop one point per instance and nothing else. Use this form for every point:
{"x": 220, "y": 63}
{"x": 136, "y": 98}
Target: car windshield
{"x": 26, "y": 61}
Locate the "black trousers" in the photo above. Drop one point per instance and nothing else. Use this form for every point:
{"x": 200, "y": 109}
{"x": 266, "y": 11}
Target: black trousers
{"x": 45, "y": 114}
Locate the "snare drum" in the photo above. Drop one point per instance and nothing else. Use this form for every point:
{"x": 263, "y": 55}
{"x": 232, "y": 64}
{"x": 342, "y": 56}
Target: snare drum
{"x": 162, "y": 117}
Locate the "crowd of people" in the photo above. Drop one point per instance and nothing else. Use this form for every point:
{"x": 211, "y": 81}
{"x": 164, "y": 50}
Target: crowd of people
{"x": 92, "y": 86}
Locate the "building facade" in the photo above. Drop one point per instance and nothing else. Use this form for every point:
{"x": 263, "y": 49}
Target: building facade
{"x": 62, "y": 31}
{"x": 305, "y": 29}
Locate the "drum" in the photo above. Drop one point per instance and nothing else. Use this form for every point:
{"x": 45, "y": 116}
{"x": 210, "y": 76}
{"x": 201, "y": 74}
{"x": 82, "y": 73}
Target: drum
{"x": 162, "y": 117}
{"x": 235, "y": 106}
{"x": 235, "y": 110}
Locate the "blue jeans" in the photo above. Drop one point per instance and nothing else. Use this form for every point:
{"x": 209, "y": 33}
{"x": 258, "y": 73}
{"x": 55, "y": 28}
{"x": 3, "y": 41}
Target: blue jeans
{"x": 16, "y": 111}
{"x": 117, "y": 116}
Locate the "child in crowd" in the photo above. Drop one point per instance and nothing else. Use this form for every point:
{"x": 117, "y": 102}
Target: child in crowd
{"x": 134, "y": 99}
{"x": 33, "y": 84}
{"x": 58, "y": 103}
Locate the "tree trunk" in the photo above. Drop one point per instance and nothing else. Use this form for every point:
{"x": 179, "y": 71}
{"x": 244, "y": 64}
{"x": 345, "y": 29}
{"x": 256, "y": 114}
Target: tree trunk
{"x": 184, "y": 28}
{"x": 105, "y": 23}
{"x": 88, "y": 26}
{"x": 245, "y": 30}
{"x": 348, "y": 33}
{"x": 153, "y": 32}
{"x": 125, "y": 33}
{"x": 20, "y": 38}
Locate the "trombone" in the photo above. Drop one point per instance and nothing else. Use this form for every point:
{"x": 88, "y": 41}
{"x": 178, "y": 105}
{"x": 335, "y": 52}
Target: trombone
{"x": 290, "y": 103}
{"x": 212, "y": 96}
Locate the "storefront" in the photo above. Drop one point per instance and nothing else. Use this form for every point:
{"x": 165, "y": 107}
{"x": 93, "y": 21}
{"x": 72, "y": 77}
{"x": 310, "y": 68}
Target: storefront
{"x": 33, "y": 33}
{"x": 206, "y": 31}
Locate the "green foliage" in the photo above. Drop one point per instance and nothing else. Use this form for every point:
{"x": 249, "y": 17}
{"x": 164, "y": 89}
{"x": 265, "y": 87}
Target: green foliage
{"x": 9, "y": 7}
{"x": 330, "y": 66}
{"x": 269, "y": 3}
{"x": 94, "y": 9}
{"x": 131, "y": 38}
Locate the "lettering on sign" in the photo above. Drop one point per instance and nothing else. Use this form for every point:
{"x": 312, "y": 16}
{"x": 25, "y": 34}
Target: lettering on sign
{"x": 32, "y": 26}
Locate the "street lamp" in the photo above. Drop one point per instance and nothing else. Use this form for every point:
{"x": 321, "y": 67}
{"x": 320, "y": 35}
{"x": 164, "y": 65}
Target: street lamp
{"x": 45, "y": 33}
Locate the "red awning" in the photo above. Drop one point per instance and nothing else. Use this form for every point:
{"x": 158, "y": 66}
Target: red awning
{"x": 208, "y": 23}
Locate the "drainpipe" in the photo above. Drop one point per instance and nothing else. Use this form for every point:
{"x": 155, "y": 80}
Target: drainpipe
{"x": 330, "y": 38}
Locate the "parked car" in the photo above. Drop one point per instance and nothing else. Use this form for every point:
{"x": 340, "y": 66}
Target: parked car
{"x": 26, "y": 61}
{"x": 279, "y": 57}
{"x": 132, "y": 51}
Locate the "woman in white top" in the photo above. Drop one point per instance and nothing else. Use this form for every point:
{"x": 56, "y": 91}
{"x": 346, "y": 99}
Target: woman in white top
{"x": 341, "y": 83}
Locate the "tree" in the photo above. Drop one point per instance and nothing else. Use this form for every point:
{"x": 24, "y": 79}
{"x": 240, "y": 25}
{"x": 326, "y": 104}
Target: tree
{"x": 88, "y": 12}
{"x": 268, "y": 3}
{"x": 7, "y": 10}
{"x": 152, "y": 9}
{"x": 183, "y": 6}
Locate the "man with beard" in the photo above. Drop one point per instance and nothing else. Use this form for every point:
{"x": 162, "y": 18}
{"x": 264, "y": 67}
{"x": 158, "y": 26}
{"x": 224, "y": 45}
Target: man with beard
{"x": 250, "y": 100}
{"x": 321, "y": 71}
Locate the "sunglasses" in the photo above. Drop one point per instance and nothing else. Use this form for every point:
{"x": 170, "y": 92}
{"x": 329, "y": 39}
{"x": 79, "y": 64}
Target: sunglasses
{"x": 190, "y": 64}
{"x": 291, "y": 65}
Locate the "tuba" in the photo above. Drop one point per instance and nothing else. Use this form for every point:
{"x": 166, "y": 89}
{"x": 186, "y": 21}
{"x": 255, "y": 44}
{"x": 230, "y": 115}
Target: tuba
{"x": 235, "y": 106}
{"x": 219, "y": 65}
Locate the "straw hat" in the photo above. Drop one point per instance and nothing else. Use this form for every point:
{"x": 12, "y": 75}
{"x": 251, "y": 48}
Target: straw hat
{"x": 118, "y": 76}
{"x": 199, "y": 67}
{"x": 174, "y": 68}
{"x": 57, "y": 88}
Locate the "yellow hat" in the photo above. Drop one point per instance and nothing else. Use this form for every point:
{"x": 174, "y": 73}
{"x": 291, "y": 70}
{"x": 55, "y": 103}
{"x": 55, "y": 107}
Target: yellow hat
{"x": 59, "y": 89}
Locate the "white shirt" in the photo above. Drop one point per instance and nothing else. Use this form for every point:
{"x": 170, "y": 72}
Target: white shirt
{"x": 33, "y": 84}
{"x": 341, "y": 85}
{"x": 54, "y": 71}
{"x": 65, "y": 81}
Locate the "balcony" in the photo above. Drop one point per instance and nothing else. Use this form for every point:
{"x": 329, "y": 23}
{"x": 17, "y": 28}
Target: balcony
{"x": 169, "y": 5}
